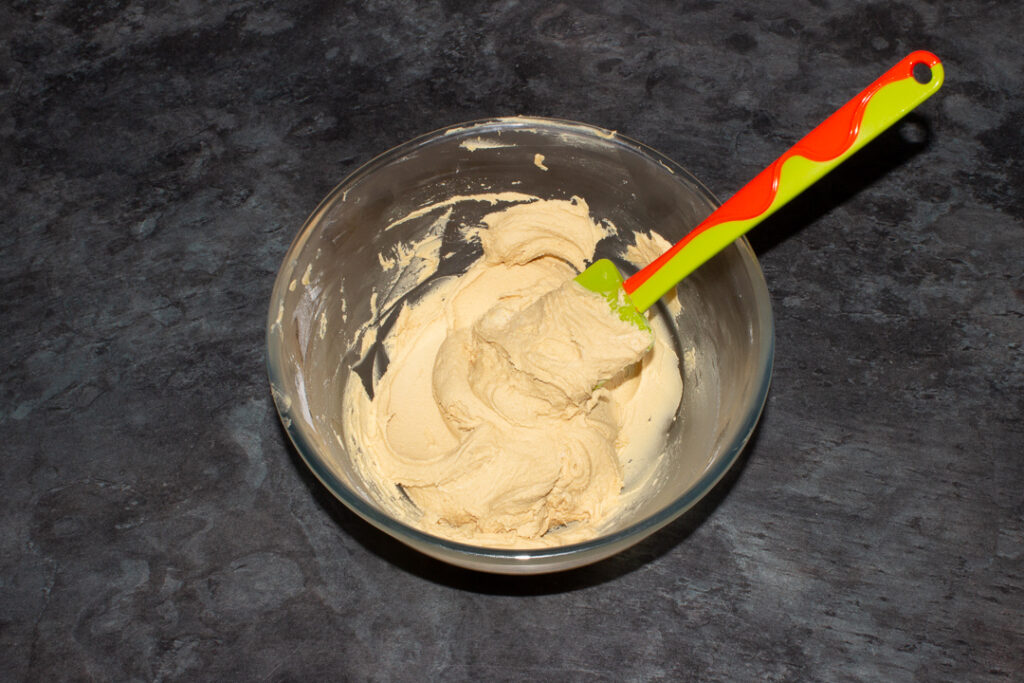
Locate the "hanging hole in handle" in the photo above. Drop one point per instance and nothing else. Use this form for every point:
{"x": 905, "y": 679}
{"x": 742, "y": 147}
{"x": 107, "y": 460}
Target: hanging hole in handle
{"x": 922, "y": 73}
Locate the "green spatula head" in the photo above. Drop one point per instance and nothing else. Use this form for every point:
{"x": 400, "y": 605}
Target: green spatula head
{"x": 604, "y": 278}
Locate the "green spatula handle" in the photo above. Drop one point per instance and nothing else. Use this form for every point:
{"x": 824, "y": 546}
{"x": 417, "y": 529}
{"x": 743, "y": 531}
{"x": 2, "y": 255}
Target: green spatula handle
{"x": 856, "y": 123}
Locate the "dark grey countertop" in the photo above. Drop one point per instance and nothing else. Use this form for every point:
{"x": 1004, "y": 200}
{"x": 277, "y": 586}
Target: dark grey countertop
{"x": 157, "y": 158}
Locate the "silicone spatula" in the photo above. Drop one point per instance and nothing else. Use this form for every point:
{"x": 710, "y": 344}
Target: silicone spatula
{"x": 906, "y": 85}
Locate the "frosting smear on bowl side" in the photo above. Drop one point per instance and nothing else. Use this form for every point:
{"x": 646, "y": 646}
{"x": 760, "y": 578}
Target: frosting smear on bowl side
{"x": 487, "y": 419}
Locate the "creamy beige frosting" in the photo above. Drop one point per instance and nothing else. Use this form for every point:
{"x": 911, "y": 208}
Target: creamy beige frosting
{"x": 487, "y": 419}
{"x": 562, "y": 345}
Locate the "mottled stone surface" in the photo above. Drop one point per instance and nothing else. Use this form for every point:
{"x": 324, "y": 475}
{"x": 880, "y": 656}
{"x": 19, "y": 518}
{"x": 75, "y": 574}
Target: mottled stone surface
{"x": 158, "y": 157}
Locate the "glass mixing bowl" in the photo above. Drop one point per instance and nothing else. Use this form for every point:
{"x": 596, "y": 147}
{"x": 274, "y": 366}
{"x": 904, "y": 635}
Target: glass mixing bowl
{"x": 323, "y": 292}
